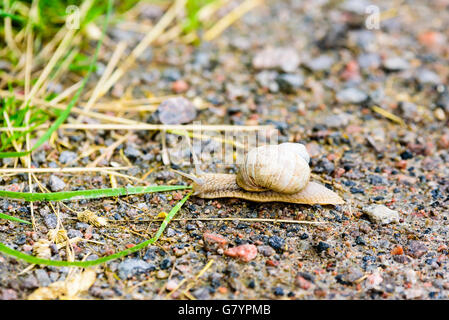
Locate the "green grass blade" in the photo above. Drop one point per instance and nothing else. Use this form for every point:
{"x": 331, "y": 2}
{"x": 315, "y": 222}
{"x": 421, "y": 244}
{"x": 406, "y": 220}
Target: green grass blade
{"x": 7, "y": 217}
{"x": 86, "y": 194}
{"x": 4, "y": 14}
{"x": 31, "y": 259}
{"x": 63, "y": 116}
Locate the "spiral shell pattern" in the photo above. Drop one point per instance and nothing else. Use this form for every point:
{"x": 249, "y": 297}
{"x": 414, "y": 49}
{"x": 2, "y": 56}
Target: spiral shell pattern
{"x": 281, "y": 168}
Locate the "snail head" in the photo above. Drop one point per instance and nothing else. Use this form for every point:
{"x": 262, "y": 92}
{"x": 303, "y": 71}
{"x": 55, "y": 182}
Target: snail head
{"x": 198, "y": 183}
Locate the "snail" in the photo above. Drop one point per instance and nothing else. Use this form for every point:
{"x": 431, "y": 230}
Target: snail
{"x": 271, "y": 173}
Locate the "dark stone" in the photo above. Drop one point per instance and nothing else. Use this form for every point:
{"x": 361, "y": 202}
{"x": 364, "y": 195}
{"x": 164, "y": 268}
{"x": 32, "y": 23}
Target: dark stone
{"x": 324, "y": 165}
{"x": 276, "y": 242}
{"x": 376, "y": 180}
{"x": 360, "y": 241}
{"x": 21, "y": 239}
{"x": 165, "y": 264}
{"x": 355, "y": 190}
{"x": 278, "y": 291}
{"x": 322, "y": 246}
{"x": 406, "y": 155}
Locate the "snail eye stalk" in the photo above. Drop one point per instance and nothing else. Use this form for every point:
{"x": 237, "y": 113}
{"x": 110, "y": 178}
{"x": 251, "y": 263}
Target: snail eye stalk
{"x": 195, "y": 179}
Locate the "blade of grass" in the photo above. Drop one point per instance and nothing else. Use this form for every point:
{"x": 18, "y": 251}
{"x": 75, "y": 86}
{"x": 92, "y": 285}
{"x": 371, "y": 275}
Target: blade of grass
{"x": 31, "y": 259}
{"x": 72, "y": 102}
{"x": 8, "y": 217}
{"x": 4, "y": 14}
{"x": 86, "y": 194}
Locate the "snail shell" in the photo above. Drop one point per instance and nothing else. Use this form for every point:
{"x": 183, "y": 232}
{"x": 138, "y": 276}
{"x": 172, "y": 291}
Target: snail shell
{"x": 282, "y": 168}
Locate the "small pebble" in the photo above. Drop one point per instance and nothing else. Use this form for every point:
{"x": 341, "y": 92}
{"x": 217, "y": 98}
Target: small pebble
{"x": 267, "y": 251}
{"x": 395, "y": 64}
{"x": 162, "y": 274}
{"x": 337, "y": 121}
{"x": 286, "y": 59}
{"x": 56, "y": 184}
{"x": 323, "y": 62}
{"x": 276, "y": 242}
{"x": 67, "y": 157}
{"x": 246, "y": 252}
{"x": 176, "y": 111}
{"x": 132, "y": 266}
{"x": 416, "y": 249}
{"x": 42, "y": 277}
{"x": 351, "y": 95}
{"x": 51, "y": 220}
{"x": 278, "y": 291}
{"x": 381, "y": 214}
{"x": 289, "y": 83}
{"x": 322, "y": 246}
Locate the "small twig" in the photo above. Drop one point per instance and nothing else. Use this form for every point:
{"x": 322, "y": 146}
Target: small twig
{"x": 192, "y": 283}
{"x": 60, "y": 106}
{"x": 233, "y": 219}
{"x": 59, "y": 170}
{"x": 149, "y": 127}
{"x": 124, "y": 176}
{"x": 230, "y": 18}
{"x": 387, "y": 115}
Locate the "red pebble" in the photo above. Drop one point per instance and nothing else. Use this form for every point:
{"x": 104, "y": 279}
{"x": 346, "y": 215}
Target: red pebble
{"x": 401, "y": 164}
{"x": 272, "y": 263}
{"x": 397, "y": 251}
{"x": 303, "y": 283}
{"x": 351, "y": 71}
{"x": 431, "y": 38}
{"x": 443, "y": 143}
{"x": 245, "y": 252}
{"x": 180, "y": 86}
{"x": 215, "y": 238}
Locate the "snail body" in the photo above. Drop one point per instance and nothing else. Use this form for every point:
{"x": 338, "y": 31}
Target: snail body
{"x": 212, "y": 186}
{"x": 273, "y": 173}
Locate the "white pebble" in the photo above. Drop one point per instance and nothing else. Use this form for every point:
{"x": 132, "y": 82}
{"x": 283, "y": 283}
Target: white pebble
{"x": 381, "y": 214}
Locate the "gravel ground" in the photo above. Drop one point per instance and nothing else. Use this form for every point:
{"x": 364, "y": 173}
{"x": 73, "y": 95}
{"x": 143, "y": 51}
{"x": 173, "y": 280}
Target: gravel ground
{"x": 317, "y": 84}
